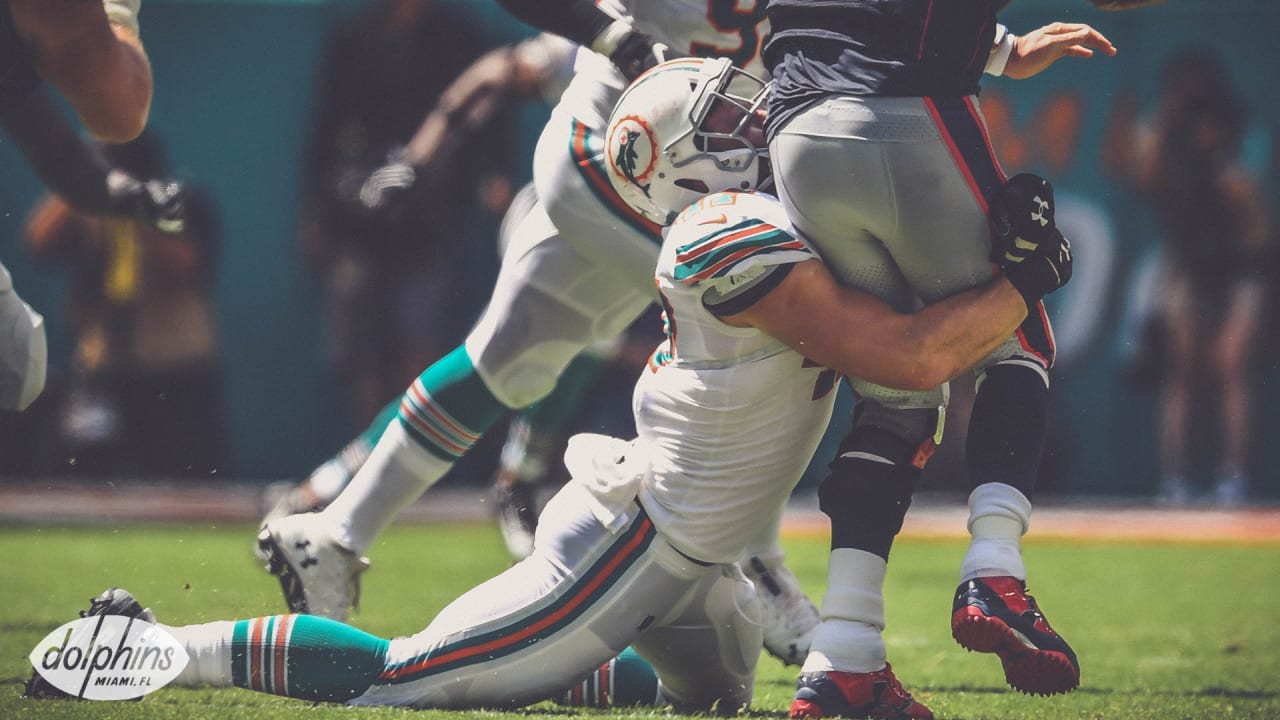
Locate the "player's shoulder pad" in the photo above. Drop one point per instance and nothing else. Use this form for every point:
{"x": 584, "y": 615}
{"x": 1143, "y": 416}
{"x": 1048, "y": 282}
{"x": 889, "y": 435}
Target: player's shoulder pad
{"x": 728, "y": 233}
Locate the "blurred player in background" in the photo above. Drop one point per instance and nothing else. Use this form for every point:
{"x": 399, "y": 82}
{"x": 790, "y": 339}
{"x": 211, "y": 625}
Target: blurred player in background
{"x": 393, "y": 273}
{"x": 882, "y": 160}
{"x": 640, "y": 548}
{"x": 578, "y": 270}
{"x": 1187, "y": 164}
{"x": 144, "y": 394}
{"x": 534, "y": 70}
{"x": 91, "y": 53}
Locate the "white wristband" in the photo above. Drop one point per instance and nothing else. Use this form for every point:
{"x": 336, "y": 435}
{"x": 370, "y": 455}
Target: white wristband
{"x": 607, "y": 41}
{"x": 123, "y": 13}
{"x": 1001, "y": 49}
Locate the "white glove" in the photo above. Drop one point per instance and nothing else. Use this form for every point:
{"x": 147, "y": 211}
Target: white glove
{"x": 123, "y": 13}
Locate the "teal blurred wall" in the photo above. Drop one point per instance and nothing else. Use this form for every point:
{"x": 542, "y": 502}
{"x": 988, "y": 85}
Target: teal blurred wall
{"x": 233, "y": 83}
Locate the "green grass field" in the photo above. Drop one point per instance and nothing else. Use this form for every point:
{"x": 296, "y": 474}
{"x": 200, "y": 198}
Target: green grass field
{"x": 1163, "y": 630}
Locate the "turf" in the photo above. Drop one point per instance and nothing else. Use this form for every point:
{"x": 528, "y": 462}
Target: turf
{"x": 1164, "y": 631}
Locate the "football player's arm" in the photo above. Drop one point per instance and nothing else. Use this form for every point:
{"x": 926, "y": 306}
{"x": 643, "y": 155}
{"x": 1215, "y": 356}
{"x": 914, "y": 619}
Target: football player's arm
{"x": 857, "y": 334}
{"x": 1033, "y": 53}
{"x": 467, "y": 104}
{"x": 63, "y": 160}
{"x": 76, "y": 169}
{"x": 583, "y": 22}
{"x": 97, "y": 64}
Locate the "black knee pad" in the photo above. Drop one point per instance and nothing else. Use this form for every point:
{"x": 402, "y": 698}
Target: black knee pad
{"x": 865, "y": 496}
{"x": 1007, "y": 427}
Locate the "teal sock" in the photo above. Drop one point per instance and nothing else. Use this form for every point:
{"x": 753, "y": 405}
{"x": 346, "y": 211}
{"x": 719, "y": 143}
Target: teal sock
{"x": 448, "y": 408}
{"x": 304, "y": 656}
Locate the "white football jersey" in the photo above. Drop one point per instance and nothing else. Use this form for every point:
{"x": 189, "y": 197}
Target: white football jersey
{"x": 732, "y": 415}
{"x": 735, "y": 29}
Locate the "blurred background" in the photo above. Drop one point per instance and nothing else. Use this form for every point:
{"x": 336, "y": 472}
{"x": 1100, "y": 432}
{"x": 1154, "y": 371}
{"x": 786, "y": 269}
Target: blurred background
{"x": 1164, "y": 160}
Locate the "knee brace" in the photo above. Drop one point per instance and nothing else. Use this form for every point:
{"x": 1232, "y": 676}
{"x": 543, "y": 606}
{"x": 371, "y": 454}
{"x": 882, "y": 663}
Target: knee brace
{"x": 868, "y": 488}
{"x": 23, "y": 351}
{"x": 1007, "y": 426}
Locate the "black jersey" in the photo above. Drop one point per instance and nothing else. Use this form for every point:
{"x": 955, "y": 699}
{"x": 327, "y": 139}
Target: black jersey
{"x": 904, "y": 48}
{"x": 17, "y": 73}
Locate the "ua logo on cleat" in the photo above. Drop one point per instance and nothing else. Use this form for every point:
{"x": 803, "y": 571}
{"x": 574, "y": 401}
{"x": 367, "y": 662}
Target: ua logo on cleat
{"x": 307, "y": 558}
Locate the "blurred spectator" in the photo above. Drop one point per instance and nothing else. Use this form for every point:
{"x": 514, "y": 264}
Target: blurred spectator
{"x": 145, "y": 393}
{"x": 393, "y": 272}
{"x": 1209, "y": 210}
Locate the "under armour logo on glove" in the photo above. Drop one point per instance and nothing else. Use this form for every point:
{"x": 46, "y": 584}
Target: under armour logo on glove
{"x": 1022, "y": 215}
{"x": 1039, "y": 214}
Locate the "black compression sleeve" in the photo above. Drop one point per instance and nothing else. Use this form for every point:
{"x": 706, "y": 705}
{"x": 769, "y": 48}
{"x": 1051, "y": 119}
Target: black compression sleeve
{"x": 578, "y": 20}
{"x": 65, "y": 161}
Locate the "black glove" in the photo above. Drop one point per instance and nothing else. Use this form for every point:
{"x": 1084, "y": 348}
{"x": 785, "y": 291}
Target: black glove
{"x": 1022, "y": 213}
{"x": 158, "y": 201}
{"x": 1030, "y": 249}
{"x": 1046, "y": 269}
{"x": 637, "y": 52}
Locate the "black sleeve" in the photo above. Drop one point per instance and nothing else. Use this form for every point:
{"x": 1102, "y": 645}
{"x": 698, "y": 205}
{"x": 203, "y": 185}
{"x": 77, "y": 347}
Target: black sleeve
{"x": 578, "y": 20}
{"x": 65, "y": 161}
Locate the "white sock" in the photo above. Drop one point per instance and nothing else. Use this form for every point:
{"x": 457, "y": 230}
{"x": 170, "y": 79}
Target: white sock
{"x": 999, "y": 515}
{"x": 849, "y": 638}
{"x": 397, "y": 472}
{"x": 208, "y": 651}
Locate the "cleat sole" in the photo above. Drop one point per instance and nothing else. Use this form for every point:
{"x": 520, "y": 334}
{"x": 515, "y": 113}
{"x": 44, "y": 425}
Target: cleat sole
{"x": 1027, "y": 670}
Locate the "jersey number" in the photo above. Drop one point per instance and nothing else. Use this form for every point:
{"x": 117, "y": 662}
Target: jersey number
{"x": 738, "y": 17}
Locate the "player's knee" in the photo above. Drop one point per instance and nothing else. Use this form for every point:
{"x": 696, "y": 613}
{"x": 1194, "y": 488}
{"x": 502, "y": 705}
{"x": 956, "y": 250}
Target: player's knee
{"x": 23, "y": 352}
{"x": 868, "y": 489}
{"x": 867, "y": 501}
{"x": 523, "y": 387}
{"x": 725, "y": 686}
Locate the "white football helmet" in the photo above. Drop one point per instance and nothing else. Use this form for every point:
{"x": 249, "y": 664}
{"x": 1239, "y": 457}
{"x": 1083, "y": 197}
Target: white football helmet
{"x": 679, "y": 133}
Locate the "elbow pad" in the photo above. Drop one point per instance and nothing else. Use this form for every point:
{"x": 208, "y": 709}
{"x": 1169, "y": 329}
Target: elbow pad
{"x": 23, "y": 352}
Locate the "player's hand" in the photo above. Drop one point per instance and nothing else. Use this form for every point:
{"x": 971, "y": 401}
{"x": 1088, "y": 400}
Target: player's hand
{"x": 1037, "y": 50}
{"x": 1022, "y": 213}
{"x": 158, "y": 201}
{"x": 387, "y": 183}
{"x": 1030, "y": 249}
{"x": 637, "y": 52}
{"x": 1046, "y": 269}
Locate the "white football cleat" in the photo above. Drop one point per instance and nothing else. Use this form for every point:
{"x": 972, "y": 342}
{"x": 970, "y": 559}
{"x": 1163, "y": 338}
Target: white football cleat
{"x": 517, "y": 503}
{"x": 318, "y": 576}
{"x": 789, "y": 616}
